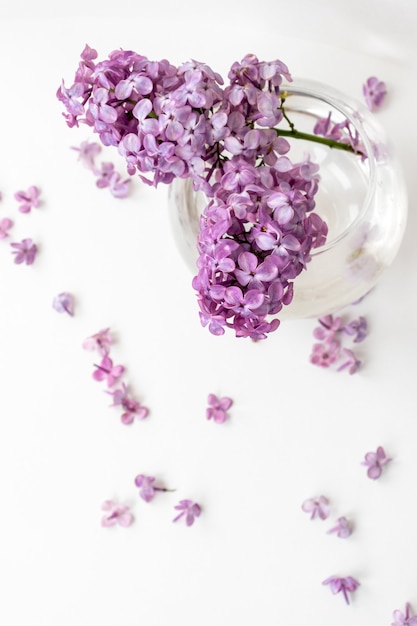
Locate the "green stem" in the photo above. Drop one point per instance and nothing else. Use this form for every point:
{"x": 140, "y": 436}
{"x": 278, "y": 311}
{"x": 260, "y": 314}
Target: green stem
{"x": 331, "y": 143}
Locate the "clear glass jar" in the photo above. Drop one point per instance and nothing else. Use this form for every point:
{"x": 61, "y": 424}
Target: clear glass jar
{"x": 363, "y": 202}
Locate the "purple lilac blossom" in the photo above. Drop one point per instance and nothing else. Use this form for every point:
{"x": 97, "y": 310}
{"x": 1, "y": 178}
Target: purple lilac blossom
{"x": 24, "y": 251}
{"x": 374, "y": 91}
{"x": 317, "y": 507}
{"x": 5, "y": 225}
{"x": 375, "y": 462}
{"x": 404, "y": 619}
{"x": 116, "y": 514}
{"x": 351, "y": 364}
{"x": 218, "y": 407}
{"x": 99, "y": 342}
{"x": 259, "y": 226}
{"x": 344, "y": 585}
{"x": 147, "y": 489}
{"x": 325, "y": 353}
{"x": 132, "y": 409}
{"x": 342, "y": 528}
{"x": 28, "y": 199}
{"x": 64, "y": 303}
{"x": 108, "y": 177}
{"x": 189, "y": 510}
{"x": 341, "y": 132}
{"x": 87, "y": 153}
{"x": 328, "y": 328}
{"x": 107, "y": 371}
{"x": 330, "y": 350}
{"x": 358, "y": 329}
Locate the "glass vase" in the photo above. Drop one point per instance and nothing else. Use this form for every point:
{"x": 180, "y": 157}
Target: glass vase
{"x": 363, "y": 202}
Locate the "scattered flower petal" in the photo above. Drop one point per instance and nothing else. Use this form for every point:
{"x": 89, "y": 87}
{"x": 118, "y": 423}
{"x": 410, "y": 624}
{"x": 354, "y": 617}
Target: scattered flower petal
{"x": 107, "y": 371}
{"x": 358, "y": 329}
{"x": 325, "y": 353}
{"x": 25, "y": 251}
{"x": 132, "y": 408}
{"x": 342, "y": 528}
{"x": 100, "y": 342}
{"x": 28, "y": 199}
{"x": 87, "y": 152}
{"x": 218, "y": 407}
{"x": 352, "y": 363}
{"x": 116, "y": 514}
{"x": 374, "y": 91}
{"x": 64, "y": 303}
{"x": 108, "y": 177}
{"x": 328, "y": 328}
{"x": 317, "y": 507}
{"x": 375, "y": 462}
{"x": 404, "y": 619}
{"x": 345, "y": 585}
{"x": 189, "y": 509}
{"x": 5, "y": 225}
{"x": 147, "y": 488}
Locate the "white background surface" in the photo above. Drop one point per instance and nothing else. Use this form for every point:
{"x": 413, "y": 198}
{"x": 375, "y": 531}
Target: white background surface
{"x": 295, "y": 431}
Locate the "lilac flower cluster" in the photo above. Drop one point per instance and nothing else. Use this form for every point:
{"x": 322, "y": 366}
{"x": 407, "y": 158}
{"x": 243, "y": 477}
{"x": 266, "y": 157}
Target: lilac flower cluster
{"x": 24, "y": 251}
{"x": 329, "y": 350}
{"x": 106, "y": 371}
{"x": 259, "y": 227}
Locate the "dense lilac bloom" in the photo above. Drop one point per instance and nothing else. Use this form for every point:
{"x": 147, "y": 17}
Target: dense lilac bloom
{"x": 374, "y": 91}
{"x": 64, "y": 303}
{"x": 345, "y": 585}
{"x": 107, "y": 371}
{"x": 189, "y": 509}
{"x": 28, "y": 199}
{"x": 169, "y": 122}
{"x": 100, "y": 342}
{"x": 5, "y": 225}
{"x": 131, "y": 407}
{"x": 317, "y": 507}
{"x": 404, "y": 619}
{"x": 218, "y": 407}
{"x": 342, "y": 528}
{"x": 375, "y": 462}
{"x": 116, "y": 514}
{"x": 25, "y": 251}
